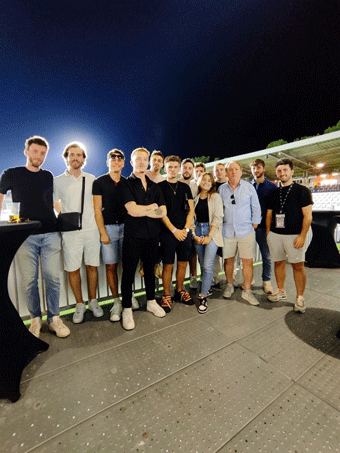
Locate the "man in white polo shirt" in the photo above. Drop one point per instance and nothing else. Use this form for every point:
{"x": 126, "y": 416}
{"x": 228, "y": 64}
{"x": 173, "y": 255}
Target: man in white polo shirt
{"x": 84, "y": 242}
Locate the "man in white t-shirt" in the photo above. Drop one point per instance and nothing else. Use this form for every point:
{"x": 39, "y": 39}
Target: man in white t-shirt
{"x": 156, "y": 165}
{"x": 86, "y": 241}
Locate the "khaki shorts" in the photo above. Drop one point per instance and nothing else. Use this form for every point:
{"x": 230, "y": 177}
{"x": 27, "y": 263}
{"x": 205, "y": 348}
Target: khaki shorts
{"x": 245, "y": 246}
{"x": 281, "y": 247}
{"x": 77, "y": 244}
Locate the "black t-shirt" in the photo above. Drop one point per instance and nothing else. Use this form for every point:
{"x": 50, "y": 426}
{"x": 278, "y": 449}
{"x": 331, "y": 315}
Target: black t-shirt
{"x": 113, "y": 209}
{"x": 202, "y": 211}
{"x": 176, "y": 203}
{"x": 34, "y": 191}
{"x": 133, "y": 190}
{"x": 218, "y": 185}
{"x": 298, "y": 198}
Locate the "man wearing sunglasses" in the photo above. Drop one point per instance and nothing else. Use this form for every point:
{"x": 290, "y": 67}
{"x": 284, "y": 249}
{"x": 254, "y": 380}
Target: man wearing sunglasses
{"x": 110, "y": 216}
{"x": 242, "y": 214}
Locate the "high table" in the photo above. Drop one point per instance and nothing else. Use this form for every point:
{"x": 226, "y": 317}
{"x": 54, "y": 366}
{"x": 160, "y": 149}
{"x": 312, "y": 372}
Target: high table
{"x": 322, "y": 251}
{"x": 17, "y": 345}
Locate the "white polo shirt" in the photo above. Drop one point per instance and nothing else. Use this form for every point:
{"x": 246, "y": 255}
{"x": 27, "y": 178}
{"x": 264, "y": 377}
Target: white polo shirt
{"x": 67, "y": 190}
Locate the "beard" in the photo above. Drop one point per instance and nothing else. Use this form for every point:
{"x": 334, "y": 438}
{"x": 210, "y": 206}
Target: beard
{"x": 35, "y": 162}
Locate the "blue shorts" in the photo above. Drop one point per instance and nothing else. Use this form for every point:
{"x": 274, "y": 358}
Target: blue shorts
{"x": 112, "y": 253}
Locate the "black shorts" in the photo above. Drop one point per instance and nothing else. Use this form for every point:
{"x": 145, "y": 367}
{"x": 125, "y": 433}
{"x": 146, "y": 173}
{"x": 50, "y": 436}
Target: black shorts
{"x": 171, "y": 246}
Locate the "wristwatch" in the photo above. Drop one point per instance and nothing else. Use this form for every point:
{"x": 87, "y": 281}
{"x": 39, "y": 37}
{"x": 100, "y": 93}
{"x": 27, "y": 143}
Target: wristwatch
{"x": 187, "y": 230}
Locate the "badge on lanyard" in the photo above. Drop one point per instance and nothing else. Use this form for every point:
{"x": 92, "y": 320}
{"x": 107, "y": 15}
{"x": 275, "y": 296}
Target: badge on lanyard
{"x": 280, "y": 220}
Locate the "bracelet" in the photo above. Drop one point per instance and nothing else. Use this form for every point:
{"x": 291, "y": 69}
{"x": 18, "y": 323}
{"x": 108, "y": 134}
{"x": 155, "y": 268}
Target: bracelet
{"x": 174, "y": 231}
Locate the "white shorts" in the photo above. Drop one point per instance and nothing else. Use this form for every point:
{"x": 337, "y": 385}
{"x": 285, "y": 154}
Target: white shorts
{"x": 245, "y": 246}
{"x": 77, "y": 244}
{"x": 281, "y": 247}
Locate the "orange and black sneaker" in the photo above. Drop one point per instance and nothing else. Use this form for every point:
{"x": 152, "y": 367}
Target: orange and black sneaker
{"x": 183, "y": 297}
{"x": 166, "y": 303}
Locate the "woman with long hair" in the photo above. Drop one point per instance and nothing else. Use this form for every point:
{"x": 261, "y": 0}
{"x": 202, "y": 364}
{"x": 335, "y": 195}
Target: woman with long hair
{"x": 207, "y": 232}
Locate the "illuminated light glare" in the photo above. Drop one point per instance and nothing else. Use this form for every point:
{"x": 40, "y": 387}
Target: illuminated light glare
{"x": 320, "y": 165}
{"x": 335, "y": 174}
{"x": 323, "y": 175}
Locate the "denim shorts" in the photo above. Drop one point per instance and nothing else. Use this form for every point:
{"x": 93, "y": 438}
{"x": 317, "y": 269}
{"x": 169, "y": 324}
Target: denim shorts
{"x": 112, "y": 253}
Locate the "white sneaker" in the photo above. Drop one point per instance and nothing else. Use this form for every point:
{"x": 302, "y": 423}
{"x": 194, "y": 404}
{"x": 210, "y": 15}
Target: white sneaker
{"x": 249, "y": 297}
{"x": 300, "y": 304}
{"x": 267, "y": 287}
{"x": 278, "y": 295}
{"x": 193, "y": 283}
{"x": 78, "y": 315}
{"x": 228, "y": 291}
{"x": 95, "y": 308}
{"x": 153, "y": 307}
{"x": 116, "y": 310}
{"x": 59, "y": 327}
{"x": 35, "y": 326}
{"x": 135, "y": 304}
{"x": 127, "y": 319}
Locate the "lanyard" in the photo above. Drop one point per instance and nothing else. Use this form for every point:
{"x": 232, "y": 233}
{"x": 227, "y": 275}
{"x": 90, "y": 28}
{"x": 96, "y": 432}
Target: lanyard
{"x": 282, "y": 203}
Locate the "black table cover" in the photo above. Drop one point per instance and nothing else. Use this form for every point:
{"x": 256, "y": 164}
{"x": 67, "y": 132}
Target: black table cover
{"x": 17, "y": 345}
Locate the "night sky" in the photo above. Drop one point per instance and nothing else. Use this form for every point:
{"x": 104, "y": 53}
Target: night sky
{"x": 191, "y": 78}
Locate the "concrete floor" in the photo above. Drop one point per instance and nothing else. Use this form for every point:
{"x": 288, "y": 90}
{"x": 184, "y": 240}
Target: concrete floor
{"x": 237, "y": 379}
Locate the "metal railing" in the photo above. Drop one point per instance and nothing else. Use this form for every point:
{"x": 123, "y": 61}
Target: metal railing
{"x": 67, "y": 300}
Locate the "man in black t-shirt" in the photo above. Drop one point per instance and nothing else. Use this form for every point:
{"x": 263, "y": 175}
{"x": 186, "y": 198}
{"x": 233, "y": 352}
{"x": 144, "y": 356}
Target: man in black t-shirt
{"x": 33, "y": 188}
{"x": 145, "y": 207}
{"x": 289, "y": 216}
{"x": 110, "y": 213}
{"x": 176, "y": 235}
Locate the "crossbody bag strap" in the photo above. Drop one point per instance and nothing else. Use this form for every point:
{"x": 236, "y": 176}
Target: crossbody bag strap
{"x": 82, "y": 202}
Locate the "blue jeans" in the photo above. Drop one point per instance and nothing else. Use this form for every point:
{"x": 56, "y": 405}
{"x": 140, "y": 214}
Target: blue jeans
{"x": 112, "y": 253}
{"x": 206, "y": 256}
{"x": 46, "y": 246}
{"x": 261, "y": 239}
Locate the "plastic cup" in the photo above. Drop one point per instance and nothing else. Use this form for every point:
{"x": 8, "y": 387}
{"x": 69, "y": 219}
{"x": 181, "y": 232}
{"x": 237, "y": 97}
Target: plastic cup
{"x": 13, "y": 209}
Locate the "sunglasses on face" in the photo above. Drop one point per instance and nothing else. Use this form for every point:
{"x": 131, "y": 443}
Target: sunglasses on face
{"x": 116, "y": 156}
{"x": 232, "y": 197}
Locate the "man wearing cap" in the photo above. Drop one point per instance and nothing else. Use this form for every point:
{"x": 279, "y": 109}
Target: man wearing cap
{"x": 110, "y": 214}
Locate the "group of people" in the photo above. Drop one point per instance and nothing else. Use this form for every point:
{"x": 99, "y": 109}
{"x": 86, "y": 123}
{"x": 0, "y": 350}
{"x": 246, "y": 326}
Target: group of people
{"x": 153, "y": 218}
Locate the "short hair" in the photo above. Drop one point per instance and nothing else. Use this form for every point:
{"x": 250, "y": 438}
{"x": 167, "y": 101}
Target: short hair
{"x": 188, "y": 160}
{"x": 172, "y": 159}
{"x": 285, "y": 162}
{"x": 115, "y": 151}
{"x": 220, "y": 163}
{"x": 213, "y": 182}
{"x": 227, "y": 165}
{"x": 74, "y": 145}
{"x": 199, "y": 164}
{"x": 157, "y": 153}
{"x": 36, "y": 139}
{"x": 142, "y": 150}
{"x": 257, "y": 162}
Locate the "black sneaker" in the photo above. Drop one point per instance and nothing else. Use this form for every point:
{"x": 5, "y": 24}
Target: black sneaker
{"x": 202, "y": 305}
{"x": 166, "y": 304}
{"x": 183, "y": 297}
